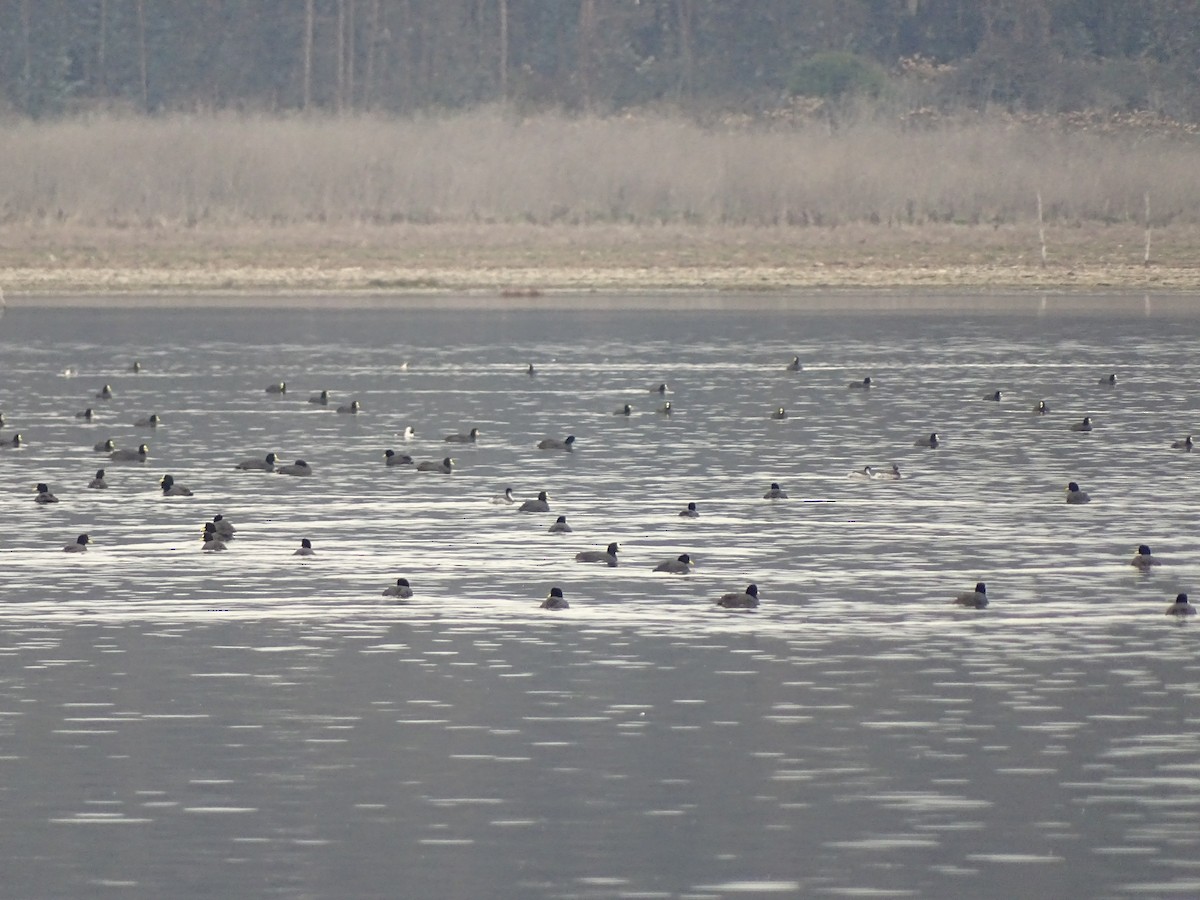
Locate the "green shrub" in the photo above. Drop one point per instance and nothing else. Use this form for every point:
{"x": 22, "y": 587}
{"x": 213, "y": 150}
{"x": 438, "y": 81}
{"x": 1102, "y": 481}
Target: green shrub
{"x": 839, "y": 74}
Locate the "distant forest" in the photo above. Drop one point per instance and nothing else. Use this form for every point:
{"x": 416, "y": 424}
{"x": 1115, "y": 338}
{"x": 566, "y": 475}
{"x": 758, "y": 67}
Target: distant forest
{"x": 598, "y": 56}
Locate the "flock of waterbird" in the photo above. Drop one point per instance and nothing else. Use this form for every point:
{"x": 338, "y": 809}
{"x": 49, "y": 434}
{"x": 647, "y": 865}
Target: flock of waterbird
{"x": 220, "y": 530}
{"x": 977, "y": 598}
{"x": 1143, "y": 560}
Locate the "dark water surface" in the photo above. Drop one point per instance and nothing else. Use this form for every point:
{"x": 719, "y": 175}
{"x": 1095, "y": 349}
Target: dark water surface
{"x": 250, "y": 723}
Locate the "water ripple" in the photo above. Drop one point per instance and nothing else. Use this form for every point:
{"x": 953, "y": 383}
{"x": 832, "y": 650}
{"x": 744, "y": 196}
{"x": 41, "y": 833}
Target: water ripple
{"x": 257, "y": 707}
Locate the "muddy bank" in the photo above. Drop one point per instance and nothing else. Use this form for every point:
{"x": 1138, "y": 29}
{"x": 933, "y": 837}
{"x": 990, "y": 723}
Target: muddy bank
{"x": 520, "y": 261}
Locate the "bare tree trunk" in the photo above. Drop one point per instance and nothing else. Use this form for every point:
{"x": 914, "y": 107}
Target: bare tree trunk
{"x": 373, "y": 39}
{"x": 340, "y": 100}
{"x": 26, "y": 43}
{"x": 404, "y": 62}
{"x": 310, "y": 15}
{"x": 504, "y": 50}
{"x": 141, "y": 41}
{"x": 102, "y": 48}
{"x": 351, "y": 52}
{"x": 685, "y": 46}
{"x": 587, "y": 31}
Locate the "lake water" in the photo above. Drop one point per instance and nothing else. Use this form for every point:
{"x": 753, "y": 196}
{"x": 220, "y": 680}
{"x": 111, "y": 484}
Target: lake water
{"x": 251, "y": 723}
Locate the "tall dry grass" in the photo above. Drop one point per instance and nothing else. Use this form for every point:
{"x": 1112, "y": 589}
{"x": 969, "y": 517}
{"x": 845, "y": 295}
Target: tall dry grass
{"x": 486, "y": 166}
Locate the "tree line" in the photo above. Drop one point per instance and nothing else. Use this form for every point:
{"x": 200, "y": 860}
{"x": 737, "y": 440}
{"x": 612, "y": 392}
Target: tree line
{"x": 402, "y": 56}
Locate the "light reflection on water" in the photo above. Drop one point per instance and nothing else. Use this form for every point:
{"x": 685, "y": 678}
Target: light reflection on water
{"x": 179, "y": 723}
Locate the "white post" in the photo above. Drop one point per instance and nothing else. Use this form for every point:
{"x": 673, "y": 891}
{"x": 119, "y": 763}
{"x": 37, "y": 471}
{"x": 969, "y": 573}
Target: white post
{"x": 1041, "y": 228}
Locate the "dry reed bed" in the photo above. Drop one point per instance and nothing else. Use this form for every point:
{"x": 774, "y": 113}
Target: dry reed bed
{"x": 487, "y": 167}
